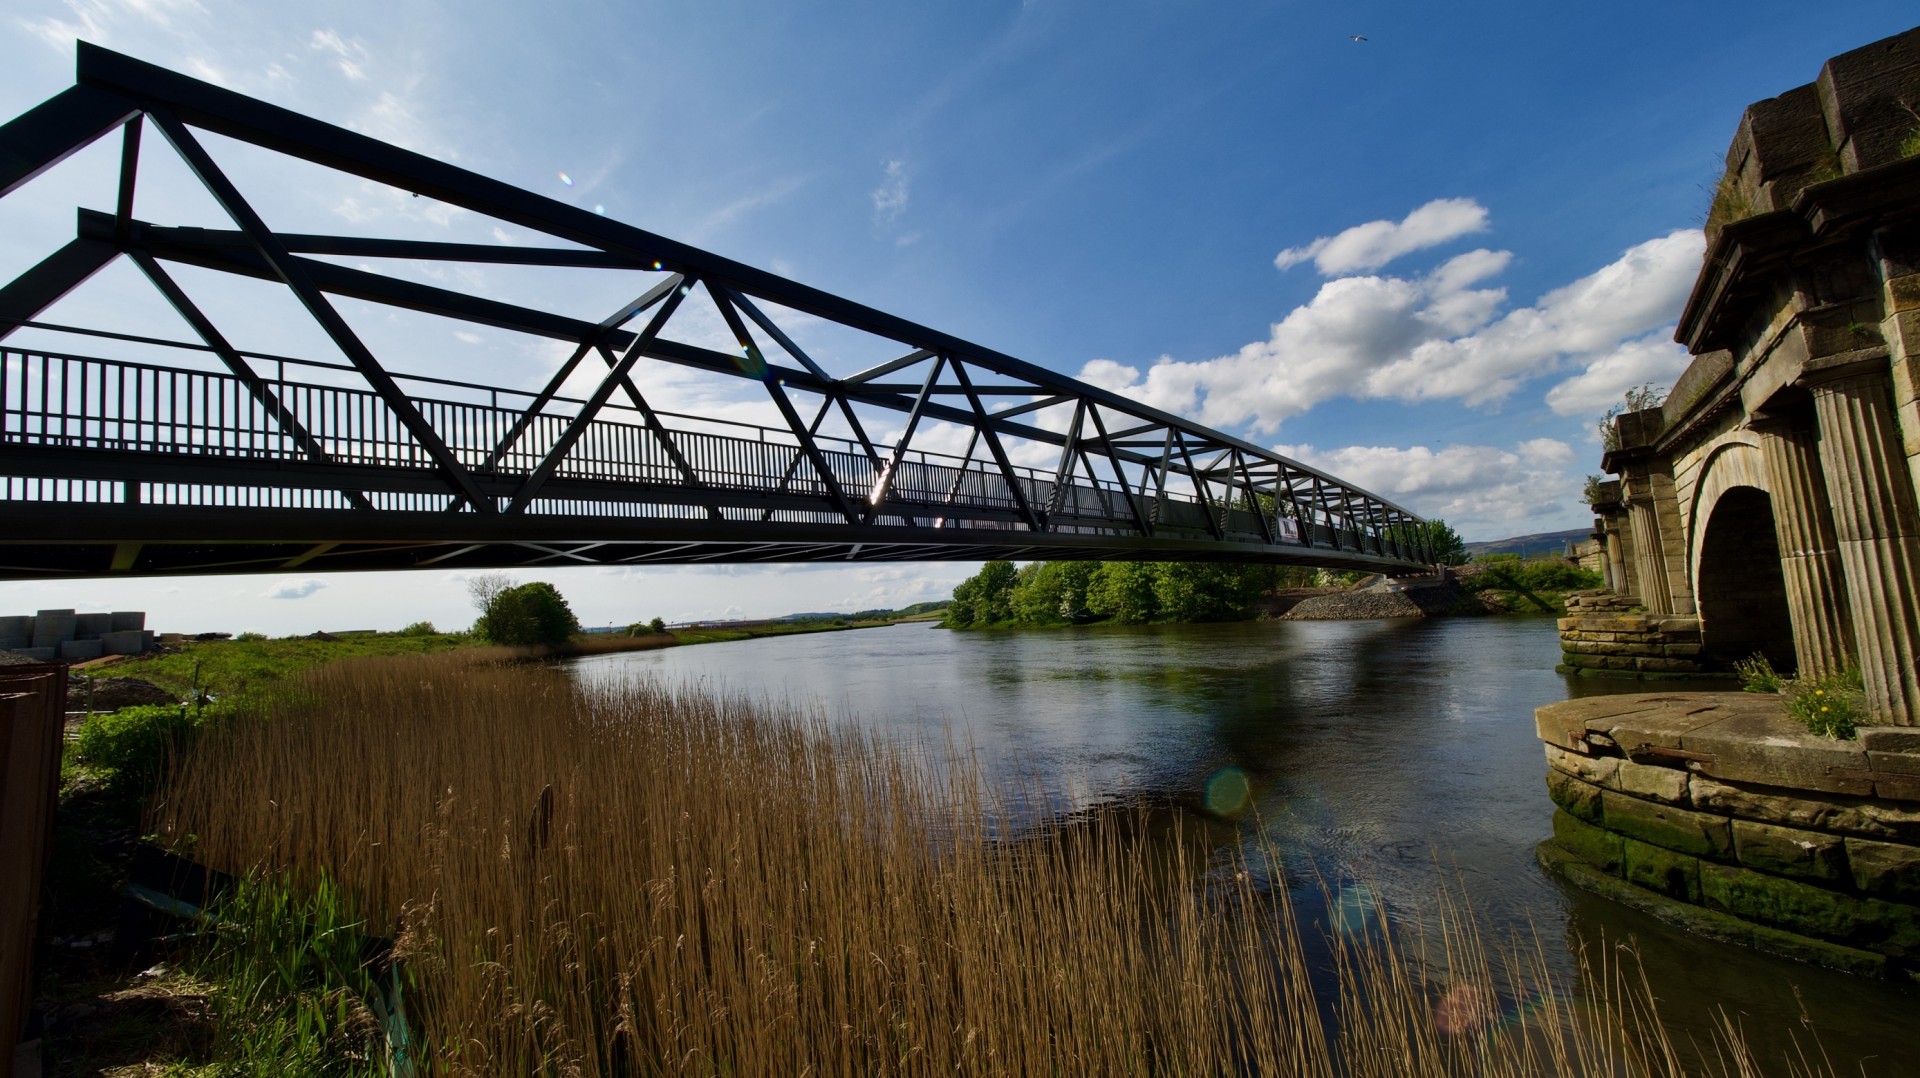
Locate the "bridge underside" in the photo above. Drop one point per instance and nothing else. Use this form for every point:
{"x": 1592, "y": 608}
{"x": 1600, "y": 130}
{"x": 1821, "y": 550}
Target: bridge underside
{"x": 824, "y": 431}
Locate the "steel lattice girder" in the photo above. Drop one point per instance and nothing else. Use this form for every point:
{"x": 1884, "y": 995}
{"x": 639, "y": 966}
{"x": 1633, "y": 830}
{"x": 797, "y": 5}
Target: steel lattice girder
{"x": 1246, "y": 503}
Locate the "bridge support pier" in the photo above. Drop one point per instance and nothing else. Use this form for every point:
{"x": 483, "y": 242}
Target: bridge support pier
{"x": 1877, "y": 528}
{"x": 1809, "y": 553}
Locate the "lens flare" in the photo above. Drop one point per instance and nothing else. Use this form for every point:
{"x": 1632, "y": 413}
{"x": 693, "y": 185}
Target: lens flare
{"x": 599, "y": 209}
{"x": 566, "y": 179}
{"x": 1227, "y": 791}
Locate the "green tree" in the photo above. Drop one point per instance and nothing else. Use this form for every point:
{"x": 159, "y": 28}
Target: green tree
{"x": 983, "y": 598}
{"x": 1123, "y": 591}
{"x": 527, "y": 615}
{"x": 1204, "y": 591}
{"x": 1445, "y": 544}
{"x": 1050, "y": 592}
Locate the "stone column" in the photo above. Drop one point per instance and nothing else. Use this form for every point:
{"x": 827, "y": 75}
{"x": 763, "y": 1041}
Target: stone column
{"x": 1649, "y": 557}
{"x": 1874, "y": 521}
{"x": 1809, "y": 553}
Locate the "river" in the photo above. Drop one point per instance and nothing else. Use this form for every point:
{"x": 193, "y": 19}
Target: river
{"x": 1387, "y": 758}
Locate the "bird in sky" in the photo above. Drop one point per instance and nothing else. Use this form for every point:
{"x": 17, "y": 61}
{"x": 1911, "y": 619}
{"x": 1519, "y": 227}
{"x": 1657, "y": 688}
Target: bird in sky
{"x": 1359, "y": 37}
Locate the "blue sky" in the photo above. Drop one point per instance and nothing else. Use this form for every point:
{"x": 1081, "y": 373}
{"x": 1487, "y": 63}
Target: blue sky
{"x": 1425, "y": 261}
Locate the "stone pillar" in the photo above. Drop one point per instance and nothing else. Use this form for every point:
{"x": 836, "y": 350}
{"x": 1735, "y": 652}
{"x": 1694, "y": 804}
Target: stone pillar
{"x": 1649, "y": 557}
{"x": 1874, "y": 521}
{"x": 1809, "y": 553}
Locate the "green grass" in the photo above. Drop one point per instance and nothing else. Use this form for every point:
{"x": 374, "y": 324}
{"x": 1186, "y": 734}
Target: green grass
{"x": 232, "y": 666}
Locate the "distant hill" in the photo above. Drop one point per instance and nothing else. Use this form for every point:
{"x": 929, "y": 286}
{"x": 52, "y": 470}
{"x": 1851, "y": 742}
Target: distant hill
{"x": 1527, "y": 546}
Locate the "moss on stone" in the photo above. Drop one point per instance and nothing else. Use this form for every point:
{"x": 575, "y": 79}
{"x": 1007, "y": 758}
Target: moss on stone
{"x": 1580, "y": 799}
{"x": 1790, "y": 851}
{"x": 1888, "y": 927}
{"x": 1677, "y": 829}
{"x": 1599, "y": 848}
{"x": 1675, "y": 875}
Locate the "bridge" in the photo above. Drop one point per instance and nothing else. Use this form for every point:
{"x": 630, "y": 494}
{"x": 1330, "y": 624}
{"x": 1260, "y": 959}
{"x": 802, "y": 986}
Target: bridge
{"x": 130, "y": 453}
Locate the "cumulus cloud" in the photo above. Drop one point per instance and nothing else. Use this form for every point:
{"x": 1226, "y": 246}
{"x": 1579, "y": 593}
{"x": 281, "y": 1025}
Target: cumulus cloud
{"x": 1376, "y": 243}
{"x": 1420, "y": 337}
{"x": 295, "y": 589}
{"x": 890, "y": 198}
{"x": 1654, "y": 359}
{"x": 1483, "y": 491}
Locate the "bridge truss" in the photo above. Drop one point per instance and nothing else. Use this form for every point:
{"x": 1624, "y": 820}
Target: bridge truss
{"x": 204, "y": 457}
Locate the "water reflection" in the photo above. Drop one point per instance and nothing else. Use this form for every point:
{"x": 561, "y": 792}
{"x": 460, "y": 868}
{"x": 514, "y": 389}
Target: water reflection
{"x": 1382, "y": 761}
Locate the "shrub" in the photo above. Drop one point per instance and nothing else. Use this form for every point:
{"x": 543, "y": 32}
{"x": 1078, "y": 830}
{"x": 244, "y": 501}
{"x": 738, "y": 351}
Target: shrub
{"x": 250, "y": 635}
{"x": 420, "y": 628}
{"x": 132, "y": 746}
{"x": 526, "y": 616}
{"x": 1832, "y": 706}
{"x": 1758, "y": 675}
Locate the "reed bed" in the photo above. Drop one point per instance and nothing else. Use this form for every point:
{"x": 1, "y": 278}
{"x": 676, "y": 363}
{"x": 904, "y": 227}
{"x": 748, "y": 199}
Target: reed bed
{"x": 642, "y": 879}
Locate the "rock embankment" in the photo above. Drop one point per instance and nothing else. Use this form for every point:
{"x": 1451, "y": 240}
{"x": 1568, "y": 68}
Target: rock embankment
{"x": 1384, "y": 598}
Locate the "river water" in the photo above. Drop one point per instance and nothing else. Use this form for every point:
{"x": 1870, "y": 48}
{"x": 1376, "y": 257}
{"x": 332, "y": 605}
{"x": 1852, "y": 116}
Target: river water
{"x": 1385, "y": 758}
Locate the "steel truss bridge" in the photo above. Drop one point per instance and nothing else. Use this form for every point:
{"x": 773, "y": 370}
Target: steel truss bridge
{"x": 214, "y": 459}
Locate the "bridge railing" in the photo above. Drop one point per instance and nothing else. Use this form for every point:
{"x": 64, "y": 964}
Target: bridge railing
{"x": 58, "y": 400}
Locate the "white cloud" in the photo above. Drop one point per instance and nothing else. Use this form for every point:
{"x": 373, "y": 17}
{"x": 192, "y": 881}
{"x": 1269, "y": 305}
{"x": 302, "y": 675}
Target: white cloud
{"x": 349, "y": 55}
{"x": 94, "y": 20}
{"x": 890, "y": 198}
{"x": 295, "y": 589}
{"x": 1420, "y": 338}
{"x": 1483, "y": 491}
{"x": 1654, "y": 359}
{"x": 1376, "y": 243}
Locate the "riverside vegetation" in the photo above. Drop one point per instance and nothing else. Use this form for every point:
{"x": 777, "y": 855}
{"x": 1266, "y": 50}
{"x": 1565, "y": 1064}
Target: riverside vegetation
{"x": 636, "y": 878}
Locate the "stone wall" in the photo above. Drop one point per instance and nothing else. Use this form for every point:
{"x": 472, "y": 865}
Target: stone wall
{"x": 1718, "y": 812}
{"x": 1606, "y": 636}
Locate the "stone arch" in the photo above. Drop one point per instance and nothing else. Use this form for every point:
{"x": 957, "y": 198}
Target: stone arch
{"x": 1734, "y": 557}
{"x": 1742, "y": 591}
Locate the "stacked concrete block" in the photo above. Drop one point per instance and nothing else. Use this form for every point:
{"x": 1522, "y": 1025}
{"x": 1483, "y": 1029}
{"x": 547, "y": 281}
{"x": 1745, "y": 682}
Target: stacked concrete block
{"x": 68, "y": 636}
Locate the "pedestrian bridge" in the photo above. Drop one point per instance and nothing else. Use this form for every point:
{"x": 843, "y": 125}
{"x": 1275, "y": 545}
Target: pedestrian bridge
{"x": 828, "y": 431}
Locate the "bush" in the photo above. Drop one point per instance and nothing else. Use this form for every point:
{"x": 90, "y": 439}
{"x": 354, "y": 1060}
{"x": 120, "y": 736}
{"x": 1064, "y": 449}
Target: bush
{"x": 1832, "y": 706}
{"x": 528, "y": 615}
{"x": 420, "y": 628}
{"x": 132, "y": 746}
{"x": 251, "y": 636}
{"x": 1758, "y": 675}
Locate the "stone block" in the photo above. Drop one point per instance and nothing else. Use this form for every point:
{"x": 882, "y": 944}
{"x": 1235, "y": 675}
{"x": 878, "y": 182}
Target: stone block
{"x": 1789, "y": 851}
{"x": 50, "y": 629}
{"x": 1668, "y": 784}
{"x": 1885, "y": 738}
{"x": 1760, "y": 744}
{"x": 124, "y": 642}
{"x": 1566, "y": 723}
{"x": 1668, "y": 826}
{"x": 1675, "y": 875}
{"x": 1578, "y": 799}
{"x": 1665, "y": 665}
{"x": 1567, "y": 624}
{"x": 16, "y": 632}
{"x": 1597, "y": 847}
{"x": 1597, "y": 770}
{"x": 1897, "y": 787}
{"x": 1852, "y": 815}
{"x": 1895, "y": 763}
{"x": 1666, "y": 719}
{"x": 1681, "y": 651}
{"x": 1885, "y": 869}
{"x": 125, "y": 620}
{"x": 1888, "y": 927}
{"x": 90, "y": 626}
{"x": 80, "y": 650}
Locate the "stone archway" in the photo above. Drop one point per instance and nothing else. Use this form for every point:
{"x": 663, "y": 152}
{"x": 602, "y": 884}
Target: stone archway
{"x": 1742, "y": 592}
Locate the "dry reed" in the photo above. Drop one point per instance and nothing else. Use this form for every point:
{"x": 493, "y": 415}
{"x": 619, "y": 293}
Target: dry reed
{"x": 637, "y": 879}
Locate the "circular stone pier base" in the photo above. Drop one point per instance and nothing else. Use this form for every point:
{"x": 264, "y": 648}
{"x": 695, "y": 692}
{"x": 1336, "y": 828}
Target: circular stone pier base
{"x": 1718, "y": 812}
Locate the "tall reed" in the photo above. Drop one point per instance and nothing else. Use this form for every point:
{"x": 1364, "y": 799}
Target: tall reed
{"x": 641, "y": 879}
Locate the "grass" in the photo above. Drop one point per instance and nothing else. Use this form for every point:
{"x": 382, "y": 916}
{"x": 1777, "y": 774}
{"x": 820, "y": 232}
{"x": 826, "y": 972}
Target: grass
{"x": 1832, "y": 706}
{"x": 635, "y": 879}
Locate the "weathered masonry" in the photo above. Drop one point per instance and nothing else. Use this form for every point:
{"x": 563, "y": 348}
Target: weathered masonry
{"x": 1769, "y": 505}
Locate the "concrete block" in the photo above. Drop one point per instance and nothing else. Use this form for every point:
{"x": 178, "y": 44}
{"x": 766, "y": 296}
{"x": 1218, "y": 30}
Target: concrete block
{"x": 90, "y": 626}
{"x": 124, "y": 620}
{"x": 68, "y": 612}
{"x": 50, "y": 629}
{"x": 16, "y": 632}
{"x": 81, "y": 650}
{"x": 1788, "y": 851}
{"x": 1667, "y": 826}
{"x": 125, "y": 642}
